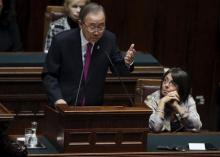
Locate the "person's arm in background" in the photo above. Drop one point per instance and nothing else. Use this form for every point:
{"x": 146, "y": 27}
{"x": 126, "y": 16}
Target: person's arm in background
{"x": 49, "y": 37}
{"x": 15, "y": 36}
{"x": 9, "y": 23}
{"x": 55, "y": 28}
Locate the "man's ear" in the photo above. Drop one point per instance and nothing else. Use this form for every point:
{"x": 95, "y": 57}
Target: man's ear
{"x": 80, "y": 23}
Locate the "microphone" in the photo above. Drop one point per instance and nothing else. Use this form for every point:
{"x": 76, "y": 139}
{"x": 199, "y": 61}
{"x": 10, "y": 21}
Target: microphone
{"x": 78, "y": 89}
{"x": 117, "y": 73}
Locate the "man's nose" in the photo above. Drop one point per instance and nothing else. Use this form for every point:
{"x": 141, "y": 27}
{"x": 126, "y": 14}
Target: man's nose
{"x": 96, "y": 32}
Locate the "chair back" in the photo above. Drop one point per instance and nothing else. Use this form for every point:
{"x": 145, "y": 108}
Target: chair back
{"x": 52, "y": 13}
{"x": 144, "y": 87}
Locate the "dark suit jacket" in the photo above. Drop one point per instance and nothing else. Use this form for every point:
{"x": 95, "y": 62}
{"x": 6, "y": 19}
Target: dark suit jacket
{"x": 63, "y": 68}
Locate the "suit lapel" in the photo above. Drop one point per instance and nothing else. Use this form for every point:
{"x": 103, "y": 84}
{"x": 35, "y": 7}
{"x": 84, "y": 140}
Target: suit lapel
{"x": 95, "y": 52}
{"x": 76, "y": 52}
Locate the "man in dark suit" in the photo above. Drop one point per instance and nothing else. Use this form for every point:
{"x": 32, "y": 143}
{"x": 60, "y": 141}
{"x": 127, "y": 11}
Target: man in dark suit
{"x": 78, "y": 60}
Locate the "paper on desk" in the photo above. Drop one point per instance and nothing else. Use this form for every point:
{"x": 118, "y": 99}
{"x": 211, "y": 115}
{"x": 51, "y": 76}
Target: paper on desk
{"x": 197, "y": 146}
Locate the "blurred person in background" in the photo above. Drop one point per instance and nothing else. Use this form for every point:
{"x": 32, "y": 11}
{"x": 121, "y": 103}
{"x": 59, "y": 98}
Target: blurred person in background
{"x": 9, "y": 32}
{"x": 70, "y": 21}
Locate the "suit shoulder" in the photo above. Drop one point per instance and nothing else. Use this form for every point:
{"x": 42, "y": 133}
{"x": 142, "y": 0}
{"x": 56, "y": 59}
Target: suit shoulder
{"x": 109, "y": 34}
{"x": 68, "y": 34}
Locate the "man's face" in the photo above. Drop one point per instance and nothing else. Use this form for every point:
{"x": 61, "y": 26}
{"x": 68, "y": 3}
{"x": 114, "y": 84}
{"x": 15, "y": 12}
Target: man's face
{"x": 1, "y": 6}
{"x": 73, "y": 8}
{"x": 93, "y": 26}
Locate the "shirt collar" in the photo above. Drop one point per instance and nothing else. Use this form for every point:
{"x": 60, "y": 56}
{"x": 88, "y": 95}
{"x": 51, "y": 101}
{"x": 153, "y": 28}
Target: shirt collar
{"x": 83, "y": 39}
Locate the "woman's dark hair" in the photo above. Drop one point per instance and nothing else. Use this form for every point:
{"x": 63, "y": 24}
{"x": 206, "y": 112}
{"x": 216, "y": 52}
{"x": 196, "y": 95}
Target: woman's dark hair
{"x": 8, "y": 13}
{"x": 182, "y": 80}
{"x": 90, "y": 7}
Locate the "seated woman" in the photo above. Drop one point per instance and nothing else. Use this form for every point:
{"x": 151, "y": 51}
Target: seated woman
{"x": 174, "y": 109}
{"x": 72, "y": 9}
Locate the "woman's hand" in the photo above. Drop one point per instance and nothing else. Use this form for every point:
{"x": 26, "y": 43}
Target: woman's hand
{"x": 171, "y": 96}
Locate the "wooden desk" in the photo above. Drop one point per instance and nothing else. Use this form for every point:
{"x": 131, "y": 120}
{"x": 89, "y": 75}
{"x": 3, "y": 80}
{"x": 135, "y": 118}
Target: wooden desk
{"x": 185, "y": 136}
{"x": 5, "y": 114}
{"x": 97, "y": 128}
{"x": 182, "y": 139}
{"x": 6, "y": 118}
{"x": 134, "y": 154}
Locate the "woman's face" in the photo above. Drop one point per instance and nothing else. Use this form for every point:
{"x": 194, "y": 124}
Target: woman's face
{"x": 73, "y": 8}
{"x": 168, "y": 85}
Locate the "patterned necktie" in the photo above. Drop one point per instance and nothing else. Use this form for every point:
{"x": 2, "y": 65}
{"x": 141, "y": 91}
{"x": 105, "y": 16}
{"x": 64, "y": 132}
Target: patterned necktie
{"x": 87, "y": 60}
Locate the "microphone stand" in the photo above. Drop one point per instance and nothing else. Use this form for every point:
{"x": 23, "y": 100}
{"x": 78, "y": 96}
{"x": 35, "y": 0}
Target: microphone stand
{"x": 117, "y": 73}
{"x": 78, "y": 90}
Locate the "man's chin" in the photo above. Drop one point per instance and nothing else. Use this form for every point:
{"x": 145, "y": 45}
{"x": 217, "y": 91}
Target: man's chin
{"x": 94, "y": 40}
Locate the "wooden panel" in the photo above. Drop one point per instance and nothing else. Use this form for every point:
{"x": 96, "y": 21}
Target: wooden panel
{"x": 105, "y": 140}
{"x": 97, "y": 128}
{"x": 145, "y": 87}
{"x": 177, "y": 136}
{"x": 136, "y": 154}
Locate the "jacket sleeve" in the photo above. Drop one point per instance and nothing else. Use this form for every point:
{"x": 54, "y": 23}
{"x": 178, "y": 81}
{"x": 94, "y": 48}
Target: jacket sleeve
{"x": 192, "y": 121}
{"x": 51, "y": 72}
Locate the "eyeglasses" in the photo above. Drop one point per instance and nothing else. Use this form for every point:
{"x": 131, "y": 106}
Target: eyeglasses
{"x": 93, "y": 28}
{"x": 170, "y": 83}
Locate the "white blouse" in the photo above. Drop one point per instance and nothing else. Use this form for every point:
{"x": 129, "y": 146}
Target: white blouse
{"x": 156, "y": 123}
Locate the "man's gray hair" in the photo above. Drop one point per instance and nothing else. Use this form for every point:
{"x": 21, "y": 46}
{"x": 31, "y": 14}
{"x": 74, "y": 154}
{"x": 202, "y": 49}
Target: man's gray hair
{"x": 90, "y": 8}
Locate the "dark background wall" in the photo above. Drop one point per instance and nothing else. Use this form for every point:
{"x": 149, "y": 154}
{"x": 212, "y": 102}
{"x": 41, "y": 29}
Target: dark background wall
{"x": 184, "y": 33}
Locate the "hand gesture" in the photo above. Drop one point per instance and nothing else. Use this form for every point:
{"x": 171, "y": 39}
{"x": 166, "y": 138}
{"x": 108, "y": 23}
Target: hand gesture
{"x": 129, "y": 57}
